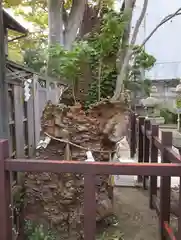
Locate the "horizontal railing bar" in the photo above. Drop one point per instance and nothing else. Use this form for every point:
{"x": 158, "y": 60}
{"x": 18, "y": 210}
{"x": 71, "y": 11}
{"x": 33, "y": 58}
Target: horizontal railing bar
{"x": 144, "y": 169}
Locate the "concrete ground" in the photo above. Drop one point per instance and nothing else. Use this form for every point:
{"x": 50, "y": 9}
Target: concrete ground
{"x": 135, "y": 220}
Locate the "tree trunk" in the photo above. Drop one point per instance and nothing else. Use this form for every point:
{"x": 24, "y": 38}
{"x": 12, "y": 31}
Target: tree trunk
{"x": 74, "y": 22}
{"x": 91, "y": 20}
{"x": 55, "y": 22}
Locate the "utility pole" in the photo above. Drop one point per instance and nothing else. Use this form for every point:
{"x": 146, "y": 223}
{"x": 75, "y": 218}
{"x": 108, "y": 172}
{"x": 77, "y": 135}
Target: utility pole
{"x": 3, "y": 87}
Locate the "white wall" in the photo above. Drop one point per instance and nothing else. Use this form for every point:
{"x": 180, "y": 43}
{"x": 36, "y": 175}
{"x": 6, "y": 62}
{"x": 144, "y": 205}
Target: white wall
{"x": 165, "y": 44}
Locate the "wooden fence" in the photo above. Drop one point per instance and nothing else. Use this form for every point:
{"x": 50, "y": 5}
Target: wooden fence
{"x": 90, "y": 170}
{"x": 149, "y": 146}
{"x": 25, "y": 116}
{"x": 21, "y": 122}
{"x": 43, "y": 91}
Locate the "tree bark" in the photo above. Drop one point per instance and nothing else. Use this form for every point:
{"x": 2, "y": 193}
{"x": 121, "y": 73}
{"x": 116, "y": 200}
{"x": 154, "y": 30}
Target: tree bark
{"x": 74, "y": 22}
{"x": 55, "y": 22}
{"x": 91, "y": 20}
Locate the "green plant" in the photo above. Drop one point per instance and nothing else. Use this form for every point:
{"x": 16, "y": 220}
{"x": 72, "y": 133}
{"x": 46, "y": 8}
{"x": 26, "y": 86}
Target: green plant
{"x": 99, "y": 51}
{"x": 106, "y": 45}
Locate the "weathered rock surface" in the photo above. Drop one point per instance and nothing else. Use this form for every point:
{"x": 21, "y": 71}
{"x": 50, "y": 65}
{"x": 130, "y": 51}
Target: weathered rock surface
{"x": 57, "y": 199}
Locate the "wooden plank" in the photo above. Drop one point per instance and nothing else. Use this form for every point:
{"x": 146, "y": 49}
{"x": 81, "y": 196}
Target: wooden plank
{"x": 36, "y": 109}
{"x": 19, "y": 126}
{"x": 10, "y": 120}
{"x": 31, "y": 127}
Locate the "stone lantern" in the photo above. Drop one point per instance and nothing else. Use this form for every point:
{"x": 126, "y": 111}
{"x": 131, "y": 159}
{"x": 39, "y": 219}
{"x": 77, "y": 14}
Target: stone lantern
{"x": 151, "y": 105}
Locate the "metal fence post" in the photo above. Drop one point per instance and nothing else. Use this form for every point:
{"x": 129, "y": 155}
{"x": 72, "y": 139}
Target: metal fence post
{"x": 146, "y": 149}
{"x": 5, "y": 193}
{"x": 140, "y": 143}
{"x": 154, "y": 159}
{"x": 165, "y": 188}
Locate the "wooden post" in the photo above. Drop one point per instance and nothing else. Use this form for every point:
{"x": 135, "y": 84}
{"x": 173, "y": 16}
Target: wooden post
{"x": 140, "y": 143}
{"x": 19, "y": 123}
{"x": 36, "y": 104}
{"x": 3, "y": 88}
{"x": 154, "y": 159}
{"x": 132, "y": 135}
{"x": 89, "y": 207}
{"x": 146, "y": 149}
{"x": 31, "y": 128}
{"x": 5, "y": 193}
{"x": 165, "y": 187}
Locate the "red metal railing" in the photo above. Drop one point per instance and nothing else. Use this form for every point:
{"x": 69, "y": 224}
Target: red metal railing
{"x": 148, "y": 145}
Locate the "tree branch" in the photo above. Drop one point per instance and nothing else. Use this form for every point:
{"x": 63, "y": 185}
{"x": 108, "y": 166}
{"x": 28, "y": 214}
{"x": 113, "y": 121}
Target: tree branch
{"x": 139, "y": 21}
{"x": 129, "y": 52}
{"x": 127, "y": 6}
{"x": 166, "y": 19}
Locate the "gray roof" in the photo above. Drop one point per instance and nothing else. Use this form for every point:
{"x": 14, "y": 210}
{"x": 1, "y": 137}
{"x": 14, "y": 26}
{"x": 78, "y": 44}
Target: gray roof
{"x": 11, "y": 23}
{"x": 17, "y": 73}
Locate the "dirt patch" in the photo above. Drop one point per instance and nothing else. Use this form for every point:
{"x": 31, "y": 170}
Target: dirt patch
{"x": 135, "y": 220}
